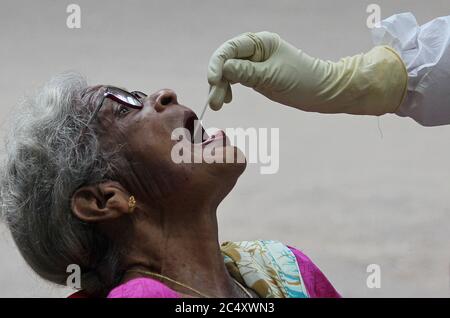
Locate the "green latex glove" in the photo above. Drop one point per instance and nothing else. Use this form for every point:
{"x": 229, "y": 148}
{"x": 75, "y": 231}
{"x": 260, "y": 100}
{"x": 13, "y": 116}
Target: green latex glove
{"x": 373, "y": 83}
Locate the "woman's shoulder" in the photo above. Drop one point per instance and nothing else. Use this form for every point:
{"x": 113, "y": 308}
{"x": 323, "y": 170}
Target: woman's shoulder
{"x": 142, "y": 287}
{"x": 289, "y": 263}
{"x": 316, "y": 282}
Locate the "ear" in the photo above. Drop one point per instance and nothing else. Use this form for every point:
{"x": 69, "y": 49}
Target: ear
{"x": 100, "y": 202}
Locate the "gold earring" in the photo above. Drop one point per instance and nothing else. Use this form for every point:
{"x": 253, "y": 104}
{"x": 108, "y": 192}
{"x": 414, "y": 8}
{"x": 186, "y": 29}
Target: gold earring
{"x": 131, "y": 204}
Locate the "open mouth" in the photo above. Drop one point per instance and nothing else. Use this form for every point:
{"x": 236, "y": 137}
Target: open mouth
{"x": 198, "y": 135}
{"x": 195, "y": 128}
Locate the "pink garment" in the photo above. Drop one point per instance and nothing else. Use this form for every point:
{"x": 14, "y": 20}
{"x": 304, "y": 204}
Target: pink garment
{"x": 315, "y": 281}
{"x": 142, "y": 288}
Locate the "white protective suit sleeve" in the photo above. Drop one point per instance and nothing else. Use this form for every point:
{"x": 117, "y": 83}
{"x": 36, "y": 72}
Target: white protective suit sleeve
{"x": 425, "y": 50}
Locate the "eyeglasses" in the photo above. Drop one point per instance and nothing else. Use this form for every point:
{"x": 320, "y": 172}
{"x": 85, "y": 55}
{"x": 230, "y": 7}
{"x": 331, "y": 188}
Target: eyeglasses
{"x": 121, "y": 96}
{"x": 132, "y": 100}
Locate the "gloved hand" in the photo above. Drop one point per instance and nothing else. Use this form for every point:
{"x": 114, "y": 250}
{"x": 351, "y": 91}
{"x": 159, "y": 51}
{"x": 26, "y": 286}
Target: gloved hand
{"x": 373, "y": 83}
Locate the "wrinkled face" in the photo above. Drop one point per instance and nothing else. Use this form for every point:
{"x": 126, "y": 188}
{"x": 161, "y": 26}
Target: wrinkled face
{"x": 154, "y": 138}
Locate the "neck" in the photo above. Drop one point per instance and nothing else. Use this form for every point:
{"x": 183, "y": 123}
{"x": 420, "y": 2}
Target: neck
{"x": 184, "y": 246}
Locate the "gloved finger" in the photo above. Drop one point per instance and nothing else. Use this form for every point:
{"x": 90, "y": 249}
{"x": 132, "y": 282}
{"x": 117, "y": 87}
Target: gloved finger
{"x": 228, "y": 95}
{"x": 217, "y": 95}
{"x": 242, "y": 71}
{"x": 242, "y": 46}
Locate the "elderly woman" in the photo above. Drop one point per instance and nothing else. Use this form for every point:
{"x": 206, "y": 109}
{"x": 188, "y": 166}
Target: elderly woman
{"x": 89, "y": 180}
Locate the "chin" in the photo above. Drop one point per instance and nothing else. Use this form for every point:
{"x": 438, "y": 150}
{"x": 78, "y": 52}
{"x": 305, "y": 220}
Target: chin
{"x": 213, "y": 177}
{"x": 227, "y": 159}
{"x": 226, "y": 174}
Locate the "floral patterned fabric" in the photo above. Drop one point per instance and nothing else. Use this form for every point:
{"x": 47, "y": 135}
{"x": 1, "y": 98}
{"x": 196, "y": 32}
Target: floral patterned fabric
{"x": 268, "y": 267}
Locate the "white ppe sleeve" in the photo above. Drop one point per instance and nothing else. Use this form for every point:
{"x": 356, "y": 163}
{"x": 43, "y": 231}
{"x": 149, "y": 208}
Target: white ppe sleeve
{"x": 425, "y": 50}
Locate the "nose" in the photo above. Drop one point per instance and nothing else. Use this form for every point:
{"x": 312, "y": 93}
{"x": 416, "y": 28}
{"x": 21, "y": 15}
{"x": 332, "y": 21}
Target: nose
{"x": 163, "y": 99}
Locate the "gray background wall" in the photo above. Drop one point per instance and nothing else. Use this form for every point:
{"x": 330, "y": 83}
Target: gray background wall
{"x": 345, "y": 194}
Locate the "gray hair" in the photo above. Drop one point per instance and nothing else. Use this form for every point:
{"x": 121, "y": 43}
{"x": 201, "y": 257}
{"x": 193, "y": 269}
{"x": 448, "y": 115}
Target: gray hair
{"x": 43, "y": 165}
